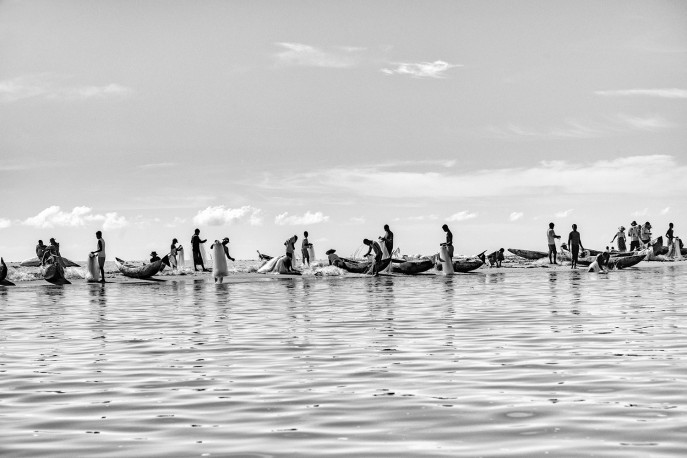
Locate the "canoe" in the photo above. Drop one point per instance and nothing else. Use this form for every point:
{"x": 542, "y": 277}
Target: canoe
{"x": 624, "y": 262}
{"x": 35, "y": 262}
{"x": 54, "y": 273}
{"x": 145, "y": 271}
{"x": 412, "y": 266}
{"x": 3, "y": 274}
{"x": 466, "y": 265}
{"x": 361, "y": 267}
{"x": 528, "y": 254}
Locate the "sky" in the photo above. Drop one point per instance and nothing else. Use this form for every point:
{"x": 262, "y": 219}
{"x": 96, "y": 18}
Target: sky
{"x": 258, "y": 120}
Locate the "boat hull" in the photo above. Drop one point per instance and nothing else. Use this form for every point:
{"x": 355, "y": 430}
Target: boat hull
{"x": 145, "y": 271}
{"x": 54, "y": 273}
{"x": 411, "y": 267}
{"x": 362, "y": 267}
{"x": 528, "y": 254}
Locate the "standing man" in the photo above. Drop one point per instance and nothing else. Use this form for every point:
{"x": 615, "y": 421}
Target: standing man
{"x": 551, "y": 237}
{"x": 620, "y": 235}
{"x": 449, "y": 240}
{"x": 304, "y": 248}
{"x": 291, "y": 246}
{"x": 669, "y": 234}
{"x": 645, "y": 233}
{"x": 633, "y": 233}
{"x": 101, "y": 255}
{"x": 388, "y": 239}
{"x": 197, "y": 257}
{"x": 575, "y": 243}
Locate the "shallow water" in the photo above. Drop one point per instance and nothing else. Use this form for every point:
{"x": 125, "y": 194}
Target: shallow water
{"x": 497, "y": 363}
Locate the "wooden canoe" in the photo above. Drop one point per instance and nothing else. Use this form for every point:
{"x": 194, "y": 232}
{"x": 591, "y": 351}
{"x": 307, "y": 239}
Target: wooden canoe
{"x": 361, "y": 267}
{"x": 3, "y": 274}
{"x": 144, "y": 271}
{"x": 54, "y": 273}
{"x": 35, "y": 262}
{"x": 528, "y": 254}
{"x": 466, "y": 265}
{"x": 624, "y": 262}
{"x": 412, "y": 266}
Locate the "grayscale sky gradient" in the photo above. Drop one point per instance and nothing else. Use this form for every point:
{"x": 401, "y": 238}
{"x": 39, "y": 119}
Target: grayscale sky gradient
{"x": 261, "y": 119}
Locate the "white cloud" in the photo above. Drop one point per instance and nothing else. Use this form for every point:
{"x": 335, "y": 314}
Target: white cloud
{"x": 461, "y": 216}
{"x": 218, "y": 216}
{"x": 665, "y": 211}
{"x": 308, "y": 218}
{"x": 5, "y": 223}
{"x": 436, "y": 69}
{"x": 564, "y": 213}
{"x": 672, "y": 93}
{"x": 642, "y": 212}
{"x": 516, "y": 216}
{"x": 79, "y": 216}
{"x": 176, "y": 222}
{"x": 647, "y": 123}
{"x": 309, "y": 56}
{"x": 56, "y": 87}
{"x": 357, "y": 220}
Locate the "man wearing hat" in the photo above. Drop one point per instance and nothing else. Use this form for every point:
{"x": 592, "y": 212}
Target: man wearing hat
{"x": 334, "y": 259}
{"x": 620, "y": 235}
{"x": 633, "y": 233}
{"x": 154, "y": 257}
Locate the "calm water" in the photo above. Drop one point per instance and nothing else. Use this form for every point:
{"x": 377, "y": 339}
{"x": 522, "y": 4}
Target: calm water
{"x": 512, "y": 363}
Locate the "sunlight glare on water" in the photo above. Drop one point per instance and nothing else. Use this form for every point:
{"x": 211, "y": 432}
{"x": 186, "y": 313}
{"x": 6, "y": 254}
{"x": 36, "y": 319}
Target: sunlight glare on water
{"x": 495, "y": 363}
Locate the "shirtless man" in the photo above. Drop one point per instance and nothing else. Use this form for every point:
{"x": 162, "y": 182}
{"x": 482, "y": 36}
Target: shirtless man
{"x": 551, "y": 238}
{"x": 575, "y": 243}
{"x": 378, "y": 255}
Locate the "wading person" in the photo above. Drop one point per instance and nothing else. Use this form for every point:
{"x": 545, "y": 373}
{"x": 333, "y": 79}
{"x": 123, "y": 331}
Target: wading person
{"x": 304, "y": 249}
{"x": 40, "y": 249}
{"x": 449, "y": 240}
{"x": 100, "y": 251}
{"x": 633, "y": 233}
{"x": 376, "y": 263}
{"x": 620, "y": 235}
{"x": 551, "y": 239}
{"x": 291, "y": 246}
{"x": 195, "y": 246}
{"x": 388, "y": 239}
{"x": 575, "y": 243}
{"x": 645, "y": 234}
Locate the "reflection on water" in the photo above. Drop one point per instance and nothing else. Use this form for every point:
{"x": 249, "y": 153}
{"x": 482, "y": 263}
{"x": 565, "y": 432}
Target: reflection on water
{"x": 494, "y": 363}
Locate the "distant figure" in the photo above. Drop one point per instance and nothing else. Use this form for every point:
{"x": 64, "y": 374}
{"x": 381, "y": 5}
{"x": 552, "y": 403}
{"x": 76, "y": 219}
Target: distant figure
{"x": 620, "y": 235}
{"x": 669, "y": 234}
{"x": 195, "y": 246}
{"x": 334, "y": 259}
{"x": 575, "y": 243}
{"x": 551, "y": 238}
{"x": 219, "y": 267}
{"x": 645, "y": 233}
{"x": 291, "y": 246}
{"x": 55, "y": 247}
{"x": 496, "y": 258}
{"x": 378, "y": 255}
{"x": 449, "y": 240}
{"x": 173, "y": 253}
{"x": 388, "y": 239}
{"x": 101, "y": 255}
{"x": 633, "y": 233}
{"x": 304, "y": 248}
{"x": 600, "y": 264}
{"x": 40, "y": 250}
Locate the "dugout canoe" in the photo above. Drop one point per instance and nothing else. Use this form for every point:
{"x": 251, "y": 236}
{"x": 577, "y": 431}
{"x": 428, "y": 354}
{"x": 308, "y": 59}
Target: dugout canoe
{"x": 35, "y": 262}
{"x": 54, "y": 273}
{"x": 528, "y": 254}
{"x": 623, "y": 262}
{"x": 3, "y": 274}
{"x": 144, "y": 271}
{"x": 411, "y": 266}
{"x": 361, "y": 267}
{"x": 466, "y": 265}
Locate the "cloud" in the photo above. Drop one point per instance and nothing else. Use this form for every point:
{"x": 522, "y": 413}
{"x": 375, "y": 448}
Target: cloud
{"x": 218, "y": 216}
{"x": 642, "y": 212}
{"x": 357, "y": 220}
{"x": 436, "y": 69}
{"x": 665, "y": 211}
{"x": 516, "y": 216}
{"x": 461, "y": 216}
{"x": 176, "y": 222}
{"x": 158, "y": 165}
{"x": 564, "y": 213}
{"x": 672, "y": 93}
{"x": 79, "y": 216}
{"x": 418, "y": 218}
{"x": 308, "y": 218}
{"x": 298, "y": 54}
{"x": 5, "y": 223}
{"x": 576, "y": 129}
{"x": 56, "y": 87}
